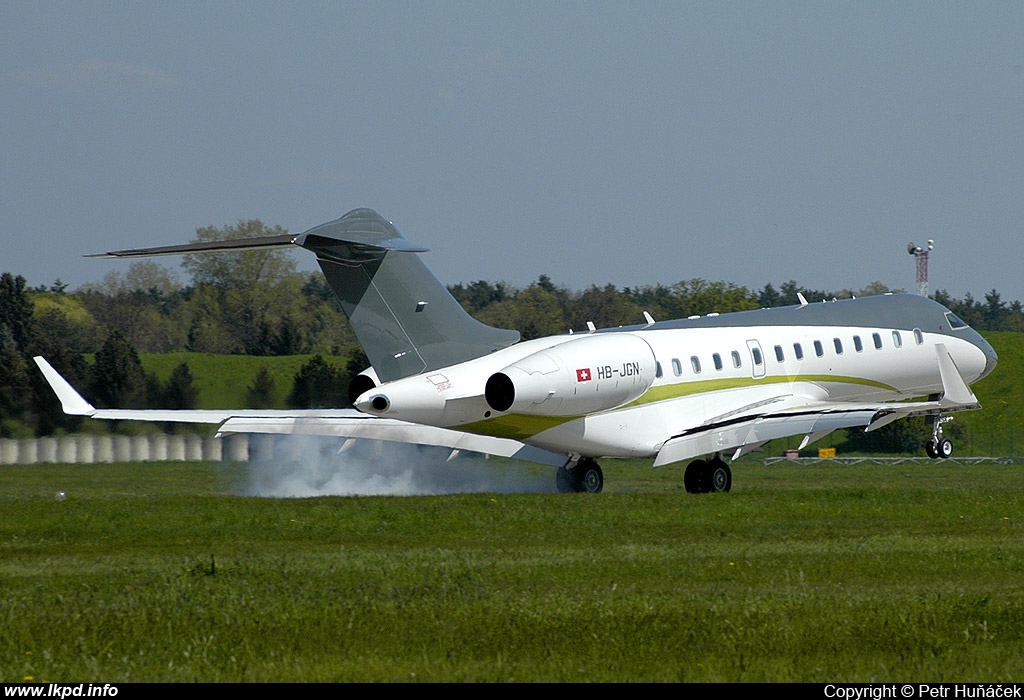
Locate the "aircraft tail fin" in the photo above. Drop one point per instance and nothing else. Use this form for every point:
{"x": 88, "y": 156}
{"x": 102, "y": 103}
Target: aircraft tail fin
{"x": 405, "y": 319}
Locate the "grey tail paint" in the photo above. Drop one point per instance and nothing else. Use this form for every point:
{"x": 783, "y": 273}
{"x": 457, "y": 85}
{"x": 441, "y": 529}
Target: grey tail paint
{"x": 405, "y": 319}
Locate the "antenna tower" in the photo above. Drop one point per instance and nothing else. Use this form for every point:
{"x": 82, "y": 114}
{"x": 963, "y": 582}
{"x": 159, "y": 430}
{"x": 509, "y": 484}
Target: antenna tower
{"x": 921, "y": 253}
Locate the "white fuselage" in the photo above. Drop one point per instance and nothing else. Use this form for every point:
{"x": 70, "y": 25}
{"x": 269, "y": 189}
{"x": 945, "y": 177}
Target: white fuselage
{"x": 676, "y": 379}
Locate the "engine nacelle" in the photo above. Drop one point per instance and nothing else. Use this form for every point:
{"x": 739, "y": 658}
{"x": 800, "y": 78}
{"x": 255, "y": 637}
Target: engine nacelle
{"x": 590, "y": 374}
{"x": 361, "y": 383}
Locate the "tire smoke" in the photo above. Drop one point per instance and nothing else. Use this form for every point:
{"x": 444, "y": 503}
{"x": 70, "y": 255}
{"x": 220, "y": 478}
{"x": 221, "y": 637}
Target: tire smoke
{"x": 308, "y": 466}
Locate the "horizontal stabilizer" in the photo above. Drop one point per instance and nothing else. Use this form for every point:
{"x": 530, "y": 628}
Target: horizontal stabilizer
{"x": 360, "y": 231}
{"x": 233, "y": 245}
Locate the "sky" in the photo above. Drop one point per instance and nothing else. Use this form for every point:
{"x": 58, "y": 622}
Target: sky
{"x": 623, "y": 143}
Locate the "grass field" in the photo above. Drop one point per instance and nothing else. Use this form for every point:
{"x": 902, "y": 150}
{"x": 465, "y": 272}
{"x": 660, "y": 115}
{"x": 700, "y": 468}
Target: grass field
{"x": 159, "y": 572}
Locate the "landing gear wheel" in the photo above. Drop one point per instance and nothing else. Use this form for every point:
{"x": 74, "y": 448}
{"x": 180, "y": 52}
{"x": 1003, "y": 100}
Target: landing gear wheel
{"x": 564, "y": 481}
{"x": 720, "y": 476}
{"x": 711, "y": 476}
{"x": 937, "y": 446}
{"x": 585, "y": 477}
{"x": 694, "y": 476}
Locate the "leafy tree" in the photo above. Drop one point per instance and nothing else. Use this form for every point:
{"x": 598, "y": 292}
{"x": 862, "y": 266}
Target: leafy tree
{"x": 238, "y": 270}
{"x": 317, "y": 385}
{"x": 317, "y": 289}
{"x": 605, "y": 307}
{"x": 477, "y": 296}
{"x": 16, "y": 310}
{"x": 58, "y": 341}
{"x": 251, "y": 287}
{"x": 788, "y": 291}
{"x": 180, "y": 392}
{"x": 535, "y": 312}
{"x": 768, "y": 298}
{"x": 204, "y": 316}
{"x": 261, "y": 393}
{"x": 14, "y": 384}
{"x": 138, "y": 303}
{"x": 698, "y": 297}
{"x": 64, "y": 317}
{"x": 652, "y": 299}
{"x": 118, "y": 378}
{"x": 995, "y": 311}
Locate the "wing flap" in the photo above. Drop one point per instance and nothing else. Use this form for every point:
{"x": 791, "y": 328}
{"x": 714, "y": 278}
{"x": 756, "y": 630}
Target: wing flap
{"x": 757, "y": 430}
{"x": 372, "y": 428}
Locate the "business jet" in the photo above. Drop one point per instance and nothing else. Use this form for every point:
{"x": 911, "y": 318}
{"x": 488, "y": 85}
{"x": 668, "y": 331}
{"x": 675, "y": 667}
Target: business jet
{"x": 705, "y": 389}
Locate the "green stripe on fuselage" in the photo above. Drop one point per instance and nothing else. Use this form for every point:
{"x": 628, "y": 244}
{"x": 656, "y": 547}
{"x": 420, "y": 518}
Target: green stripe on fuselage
{"x": 520, "y": 426}
{"x": 517, "y": 426}
{"x": 674, "y": 391}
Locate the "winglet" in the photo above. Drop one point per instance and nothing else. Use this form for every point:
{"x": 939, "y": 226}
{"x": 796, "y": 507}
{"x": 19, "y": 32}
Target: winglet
{"x": 955, "y": 391}
{"x": 70, "y": 400}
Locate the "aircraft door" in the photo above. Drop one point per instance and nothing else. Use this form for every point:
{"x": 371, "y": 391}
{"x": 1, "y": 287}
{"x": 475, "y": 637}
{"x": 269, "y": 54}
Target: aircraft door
{"x": 756, "y": 358}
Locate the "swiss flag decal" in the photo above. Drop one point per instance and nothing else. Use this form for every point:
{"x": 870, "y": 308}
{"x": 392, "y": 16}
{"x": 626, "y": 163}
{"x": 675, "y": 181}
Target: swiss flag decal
{"x": 583, "y": 375}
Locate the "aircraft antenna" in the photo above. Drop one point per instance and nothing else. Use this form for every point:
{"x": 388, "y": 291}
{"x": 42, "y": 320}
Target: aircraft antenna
{"x": 921, "y": 253}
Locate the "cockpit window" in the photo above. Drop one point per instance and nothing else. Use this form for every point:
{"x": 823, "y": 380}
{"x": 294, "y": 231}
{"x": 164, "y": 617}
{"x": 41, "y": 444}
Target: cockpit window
{"x": 954, "y": 322}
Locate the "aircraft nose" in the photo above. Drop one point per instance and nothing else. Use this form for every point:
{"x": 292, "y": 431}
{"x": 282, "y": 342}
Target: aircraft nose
{"x": 990, "y": 359}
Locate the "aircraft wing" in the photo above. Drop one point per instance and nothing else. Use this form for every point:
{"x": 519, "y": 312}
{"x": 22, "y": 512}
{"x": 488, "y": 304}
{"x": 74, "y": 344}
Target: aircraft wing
{"x": 346, "y": 423}
{"x": 747, "y": 433}
{"x": 747, "y": 428}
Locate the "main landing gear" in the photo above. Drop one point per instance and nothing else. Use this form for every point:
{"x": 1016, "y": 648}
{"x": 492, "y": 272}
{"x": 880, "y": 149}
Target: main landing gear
{"x": 585, "y": 476}
{"x": 707, "y": 476}
{"x": 937, "y": 446}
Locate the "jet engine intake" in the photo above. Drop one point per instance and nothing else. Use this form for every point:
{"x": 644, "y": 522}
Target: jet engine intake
{"x": 594, "y": 373}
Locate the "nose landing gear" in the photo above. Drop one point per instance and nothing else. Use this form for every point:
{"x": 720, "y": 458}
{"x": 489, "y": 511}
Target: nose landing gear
{"x": 939, "y": 447}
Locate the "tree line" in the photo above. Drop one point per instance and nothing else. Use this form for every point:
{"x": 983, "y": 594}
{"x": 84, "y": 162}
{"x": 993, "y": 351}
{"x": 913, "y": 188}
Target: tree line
{"x": 257, "y": 303}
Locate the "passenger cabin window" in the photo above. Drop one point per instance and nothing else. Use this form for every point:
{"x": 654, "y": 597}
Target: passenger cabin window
{"x": 878, "y": 340}
{"x": 857, "y": 345}
{"x": 677, "y": 366}
{"x": 897, "y": 340}
{"x": 839, "y": 345}
{"x": 778, "y": 354}
{"x": 717, "y": 359}
{"x": 736, "y": 361}
{"x": 918, "y": 336}
{"x": 695, "y": 364}
{"x": 756, "y": 352}
{"x": 798, "y": 350}
{"x": 657, "y": 370}
{"x": 818, "y": 349}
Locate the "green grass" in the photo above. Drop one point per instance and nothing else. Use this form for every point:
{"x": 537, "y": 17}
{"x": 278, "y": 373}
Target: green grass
{"x": 802, "y": 573}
